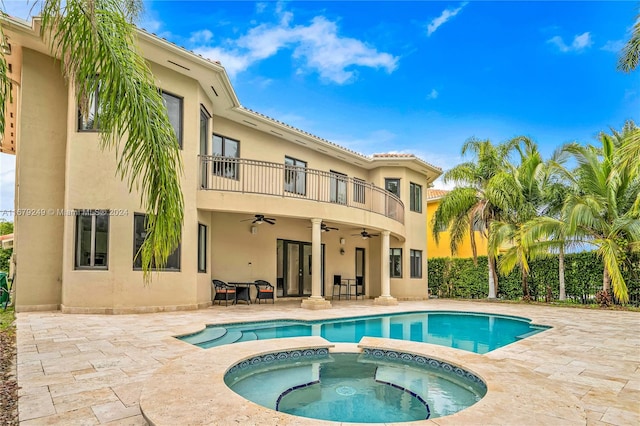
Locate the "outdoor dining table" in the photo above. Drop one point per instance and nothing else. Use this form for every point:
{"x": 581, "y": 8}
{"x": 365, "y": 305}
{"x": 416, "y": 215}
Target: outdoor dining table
{"x": 349, "y": 282}
{"x": 243, "y": 291}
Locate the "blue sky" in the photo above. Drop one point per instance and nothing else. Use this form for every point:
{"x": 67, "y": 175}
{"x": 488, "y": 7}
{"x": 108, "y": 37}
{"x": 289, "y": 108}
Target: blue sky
{"x": 416, "y": 76}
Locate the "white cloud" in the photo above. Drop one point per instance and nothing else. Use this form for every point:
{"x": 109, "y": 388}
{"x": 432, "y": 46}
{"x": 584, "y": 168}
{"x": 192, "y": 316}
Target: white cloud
{"x": 446, "y": 15}
{"x": 202, "y": 36}
{"x": 614, "y": 46}
{"x": 580, "y": 43}
{"x": 317, "y": 46}
{"x": 433, "y": 94}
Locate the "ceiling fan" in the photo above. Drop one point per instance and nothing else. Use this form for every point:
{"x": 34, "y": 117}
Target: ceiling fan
{"x": 259, "y": 219}
{"x": 364, "y": 234}
{"x": 325, "y": 228}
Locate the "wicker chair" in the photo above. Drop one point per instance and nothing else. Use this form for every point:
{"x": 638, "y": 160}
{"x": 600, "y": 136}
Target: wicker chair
{"x": 223, "y": 291}
{"x": 264, "y": 290}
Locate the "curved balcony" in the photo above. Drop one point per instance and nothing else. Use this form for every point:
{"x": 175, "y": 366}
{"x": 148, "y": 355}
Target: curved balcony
{"x": 263, "y": 177}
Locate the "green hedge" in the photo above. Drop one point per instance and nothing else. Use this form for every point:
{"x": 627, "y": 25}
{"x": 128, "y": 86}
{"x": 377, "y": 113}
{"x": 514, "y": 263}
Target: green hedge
{"x": 460, "y": 278}
{"x": 5, "y": 255}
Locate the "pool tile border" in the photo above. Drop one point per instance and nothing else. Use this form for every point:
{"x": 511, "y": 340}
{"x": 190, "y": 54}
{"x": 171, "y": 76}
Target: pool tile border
{"x": 421, "y": 360}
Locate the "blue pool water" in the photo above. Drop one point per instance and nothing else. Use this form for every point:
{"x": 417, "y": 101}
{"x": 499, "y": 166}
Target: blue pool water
{"x": 474, "y": 332}
{"x": 360, "y": 388}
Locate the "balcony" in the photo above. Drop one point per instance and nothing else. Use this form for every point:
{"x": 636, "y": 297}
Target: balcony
{"x": 280, "y": 180}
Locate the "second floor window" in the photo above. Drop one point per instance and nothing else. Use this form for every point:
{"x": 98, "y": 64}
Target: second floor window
{"x": 338, "y": 188}
{"x": 295, "y": 176}
{"x": 139, "y": 235}
{"x": 225, "y": 147}
{"x": 92, "y": 239}
{"x": 174, "y": 110}
{"x": 88, "y": 114}
{"x": 393, "y": 186}
{"x": 415, "y": 197}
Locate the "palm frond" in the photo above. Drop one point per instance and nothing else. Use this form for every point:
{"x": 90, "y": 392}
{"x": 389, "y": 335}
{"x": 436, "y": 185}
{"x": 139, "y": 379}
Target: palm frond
{"x": 99, "y": 37}
{"x": 628, "y": 60}
{"x": 611, "y": 255}
{"x": 5, "y": 84}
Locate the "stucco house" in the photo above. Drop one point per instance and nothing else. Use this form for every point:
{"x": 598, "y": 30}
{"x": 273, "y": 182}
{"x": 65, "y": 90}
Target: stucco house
{"x": 263, "y": 200}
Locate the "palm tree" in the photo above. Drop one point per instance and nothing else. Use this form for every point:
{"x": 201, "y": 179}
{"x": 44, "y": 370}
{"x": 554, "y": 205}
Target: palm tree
{"x": 483, "y": 189}
{"x": 543, "y": 192}
{"x": 98, "y": 36}
{"x": 507, "y": 232}
{"x": 601, "y": 209}
{"x": 630, "y": 54}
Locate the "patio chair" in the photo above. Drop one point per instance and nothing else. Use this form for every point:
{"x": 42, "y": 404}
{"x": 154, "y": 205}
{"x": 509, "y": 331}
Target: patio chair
{"x": 264, "y": 290}
{"x": 337, "y": 283}
{"x": 223, "y": 291}
{"x": 359, "y": 287}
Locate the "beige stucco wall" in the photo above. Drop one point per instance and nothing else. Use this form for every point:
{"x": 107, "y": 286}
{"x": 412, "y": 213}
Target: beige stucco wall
{"x": 40, "y": 169}
{"x": 93, "y": 184}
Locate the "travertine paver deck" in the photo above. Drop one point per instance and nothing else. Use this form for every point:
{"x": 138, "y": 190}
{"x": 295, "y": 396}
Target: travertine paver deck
{"x": 90, "y": 369}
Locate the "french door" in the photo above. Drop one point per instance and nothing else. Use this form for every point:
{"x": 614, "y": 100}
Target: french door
{"x": 295, "y": 262}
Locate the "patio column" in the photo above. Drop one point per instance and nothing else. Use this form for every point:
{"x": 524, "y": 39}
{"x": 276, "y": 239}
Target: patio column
{"x": 385, "y": 298}
{"x": 316, "y": 301}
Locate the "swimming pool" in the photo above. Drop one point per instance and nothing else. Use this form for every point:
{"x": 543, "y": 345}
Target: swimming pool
{"x": 376, "y": 386}
{"x": 470, "y": 331}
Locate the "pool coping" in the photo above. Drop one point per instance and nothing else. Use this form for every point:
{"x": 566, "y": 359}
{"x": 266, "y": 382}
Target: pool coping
{"x": 191, "y": 389}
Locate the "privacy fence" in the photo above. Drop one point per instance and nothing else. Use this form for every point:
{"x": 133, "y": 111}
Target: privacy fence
{"x": 460, "y": 278}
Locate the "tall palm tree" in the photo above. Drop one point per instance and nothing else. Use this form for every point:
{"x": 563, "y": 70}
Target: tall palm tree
{"x": 543, "y": 193}
{"x": 601, "y": 209}
{"x": 507, "y": 234}
{"x": 96, "y": 42}
{"x": 483, "y": 189}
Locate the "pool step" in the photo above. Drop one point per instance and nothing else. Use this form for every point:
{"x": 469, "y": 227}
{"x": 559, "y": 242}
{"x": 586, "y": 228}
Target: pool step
{"x": 231, "y": 336}
{"x": 208, "y": 334}
{"x": 413, "y": 380}
{"x": 247, "y": 336}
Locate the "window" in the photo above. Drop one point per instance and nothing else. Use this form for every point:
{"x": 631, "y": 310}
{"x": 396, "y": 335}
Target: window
{"x": 204, "y": 129}
{"x": 92, "y": 239}
{"x": 338, "y": 188}
{"x": 139, "y": 235}
{"x": 202, "y": 248}
{"x": 295, "y": 176}
{"x": 415, "y": 197}
{"x": 225, "y": 147}
{"x": 88, "y": 122}
{"x": 204, "y": 138}
{"x": 393, "y": 186}
{"x": 174, "y": 110}
{"x": 395, "y": 262}
{"x": 359, "y": 187}
{"x": 416, "y": 263}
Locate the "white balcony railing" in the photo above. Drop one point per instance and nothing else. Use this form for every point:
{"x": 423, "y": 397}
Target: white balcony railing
{"x": 262, "y": 177}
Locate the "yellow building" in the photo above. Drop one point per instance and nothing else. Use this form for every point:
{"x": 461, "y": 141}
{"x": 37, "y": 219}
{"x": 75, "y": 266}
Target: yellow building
{"x": 442, "y": 248}
{"x": 263, "y": 200}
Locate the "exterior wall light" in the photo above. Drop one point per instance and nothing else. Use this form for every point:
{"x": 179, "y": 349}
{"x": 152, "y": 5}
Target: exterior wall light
{"x": 342, "y": 241}
{"x": 342, "y": 251}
